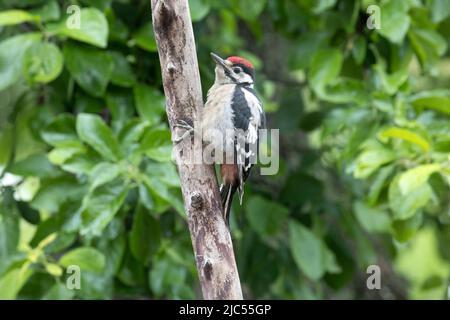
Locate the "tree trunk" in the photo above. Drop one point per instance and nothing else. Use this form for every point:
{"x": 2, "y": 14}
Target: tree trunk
{"x": 211, "y": 240}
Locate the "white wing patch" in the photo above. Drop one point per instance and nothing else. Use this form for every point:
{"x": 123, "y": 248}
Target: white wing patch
{"x": 250, "y": 138}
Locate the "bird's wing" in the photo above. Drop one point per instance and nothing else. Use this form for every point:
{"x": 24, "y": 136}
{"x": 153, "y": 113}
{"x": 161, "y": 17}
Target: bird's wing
{"x": 248, "y": 119}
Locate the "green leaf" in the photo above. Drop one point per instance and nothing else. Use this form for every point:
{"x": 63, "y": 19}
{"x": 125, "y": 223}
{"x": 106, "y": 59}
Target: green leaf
{"x": 81, "y": 163}
{"x": 309, "y": 252}
{"x": 265, "y": 217}
{"x": 91, "y": 68}
{"x": 359, "y": 50}
{"x": 165, "y": 277}
{"x": 424, "y": 266}
{"x": 323, "y": 5}
{"x": 59, "y": 156}
{"x": 438, "y": 100}
{"x": 248, "y": 9}
{"x": 92, "y": 28}
{"x": 11, "y": 17}
{"x": 440, "y": 10}
{"x": 146, "y": 197}
{"x": 131, "y": 132}
{"x": 12, "y": 282}
{"x": 199, "y": 9}
{"x": 157, "y": 144}
{"x": 428, "y": 45}
{"x": 371, "y": 159}
{"x": 150, "y": 103}
{"x": 54, "y": 269}
{"x": 59, "y": 291}
{"x": 120, "y": 103}
{"x": 61, "y": 132}
{"x": 50, "y": 11}
{"x": 345, "y": 90}
{"x": 325, "y": 67}
{"x": 9, "y": 232}
{"x": 123, "y": 74}
{"x": 165, "y": 172}
{"x": 12, "y": 51}
{"x": 145, "y": 236}
{"x": 131, "y": 271}
{"x": 404, "y": 206}
{"x": 103, "y": 173}
{"x": 88, "y": 259}
{"x": 36, "y": 165}
{"x": 394, "y": 20}
{"x": 54, "y": 192}
{"x": 6, "y": 141}
{"x": 157, "y": 195}
{"x": 416, "y": 177}
{"x": 145, "y": 39}
{"x": 378, "y": 184}
{"x": 43, "y": 62}
{"x": 404, "y": 230}
{"x": 372, "y": 219}
{"x": 118, "y": 30}
{"x": 92, "y": 130}
{"x": 391, "y": 82}
{"x": 405, "y": 135}
{"x": 101, "y": 205}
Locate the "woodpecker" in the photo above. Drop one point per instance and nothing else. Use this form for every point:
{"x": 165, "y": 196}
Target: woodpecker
{"x": 233, "y": 106}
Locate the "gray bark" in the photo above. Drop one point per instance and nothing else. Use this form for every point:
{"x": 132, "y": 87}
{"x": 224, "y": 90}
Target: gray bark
{"x": 211, "y": 240}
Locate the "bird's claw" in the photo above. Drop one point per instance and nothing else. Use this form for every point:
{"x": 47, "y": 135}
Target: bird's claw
{"x": 183, "y": 125}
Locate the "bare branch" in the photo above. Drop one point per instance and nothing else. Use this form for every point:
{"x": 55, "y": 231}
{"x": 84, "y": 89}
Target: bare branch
{"x": 211, "y": 240}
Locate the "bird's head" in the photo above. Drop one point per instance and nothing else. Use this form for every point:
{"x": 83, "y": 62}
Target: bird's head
{"x": 233, "y": 70}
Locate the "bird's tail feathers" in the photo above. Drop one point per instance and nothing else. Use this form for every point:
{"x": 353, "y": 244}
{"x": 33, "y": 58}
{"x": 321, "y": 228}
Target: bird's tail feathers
{"x": 226, "y": 192}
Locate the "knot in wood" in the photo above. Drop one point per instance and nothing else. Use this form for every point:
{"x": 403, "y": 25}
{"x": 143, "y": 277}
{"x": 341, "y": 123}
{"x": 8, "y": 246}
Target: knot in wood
{"x": 197, "y": 201}
{"x": 207, "y": 270}
{"x": 171, "y": 67}
{"x": 165, "y": 17}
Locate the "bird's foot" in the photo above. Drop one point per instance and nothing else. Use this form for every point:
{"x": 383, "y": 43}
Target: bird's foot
{"x": 182, "y": 124}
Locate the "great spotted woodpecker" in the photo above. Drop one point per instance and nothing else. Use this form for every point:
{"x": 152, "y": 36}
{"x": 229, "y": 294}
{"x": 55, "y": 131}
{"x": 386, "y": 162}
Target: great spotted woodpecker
{"x": 230, "y": 123}
{"x": 233, "y": 106}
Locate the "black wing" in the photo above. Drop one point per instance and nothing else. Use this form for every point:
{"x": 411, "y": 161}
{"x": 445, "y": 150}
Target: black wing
{"x": 248, "y": 119}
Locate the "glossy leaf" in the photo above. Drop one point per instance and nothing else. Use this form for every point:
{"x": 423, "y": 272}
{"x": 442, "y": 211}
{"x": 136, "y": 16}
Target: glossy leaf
{"x": 86, "y": 258}
{"x": 93, "y": 131}
{"x": 11, "y": 17}
{"x": 310, "y": 253}
{"x": 416, "y": 177}
{"x": 145, "y": 38}
{"x": 101, "y": 205}
{"x": 91, "y": 68}
{"x": 394, "y": 20}
{"x": 265, "y": 217}
{"x": 122, "y": 74}
{"x": 406, "y": 135}
{"x": 405, "y": 206}
{"x": 145, "y": 236}
{"x": 150, "y": 103}
{"x": 325, "y": 67}
{"x": 372, "y": 219}
{"x": 43, "y": 62}
{"x": 89, "y": 25}
{"x": 12, "y": 51}
{"x": 438, "y": 100}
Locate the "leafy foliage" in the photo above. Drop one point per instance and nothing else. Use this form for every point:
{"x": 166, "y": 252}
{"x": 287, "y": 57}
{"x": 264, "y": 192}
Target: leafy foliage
{"x": 85, "y": 161}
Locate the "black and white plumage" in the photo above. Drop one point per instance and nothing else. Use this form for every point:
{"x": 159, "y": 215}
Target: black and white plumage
{"x": 231, "y": 120}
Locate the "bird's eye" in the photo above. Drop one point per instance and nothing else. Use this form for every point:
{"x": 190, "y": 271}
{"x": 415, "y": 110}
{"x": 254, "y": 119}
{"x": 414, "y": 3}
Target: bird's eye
{"x": 237, "y": 70}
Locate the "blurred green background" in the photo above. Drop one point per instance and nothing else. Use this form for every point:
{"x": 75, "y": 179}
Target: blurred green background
{"x": 86, "y": 177}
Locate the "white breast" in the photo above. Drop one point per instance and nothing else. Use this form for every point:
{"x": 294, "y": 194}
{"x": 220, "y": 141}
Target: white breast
{"x": 217, "y": 117}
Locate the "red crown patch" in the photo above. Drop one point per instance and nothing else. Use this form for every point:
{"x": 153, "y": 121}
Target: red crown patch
{"x": 239, "y": 60}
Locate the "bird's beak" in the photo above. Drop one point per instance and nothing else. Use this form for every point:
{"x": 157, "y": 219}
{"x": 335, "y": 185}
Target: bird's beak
{"x": 219, "y": 61}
